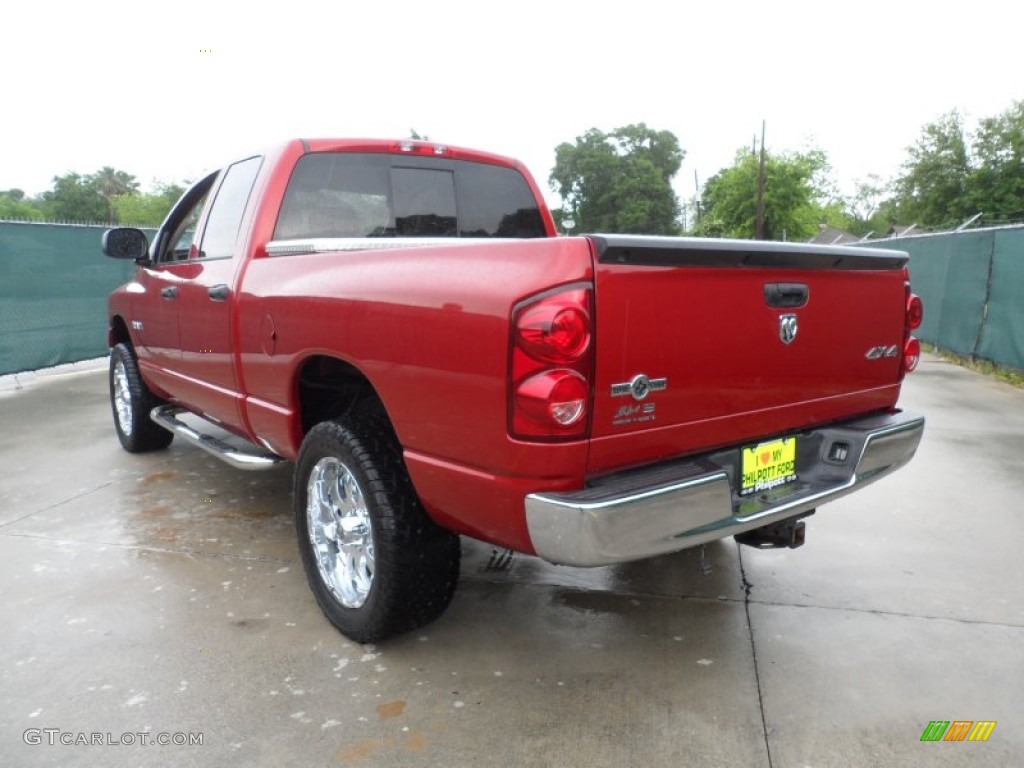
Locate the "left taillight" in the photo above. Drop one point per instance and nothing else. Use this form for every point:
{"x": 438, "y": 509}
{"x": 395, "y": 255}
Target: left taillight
{"x": 551, "y": 365}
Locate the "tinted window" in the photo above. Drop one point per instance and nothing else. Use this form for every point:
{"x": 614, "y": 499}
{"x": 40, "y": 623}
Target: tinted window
{"x": 226, "y": 215}
{"x": 496, "y": 202}
{"x": 378, "y": 195}
{"x": 337, "y": 195}
{"x": 175, "y": 238}
{"x": 181, "y": 240}
{"x": 424, "y": 202}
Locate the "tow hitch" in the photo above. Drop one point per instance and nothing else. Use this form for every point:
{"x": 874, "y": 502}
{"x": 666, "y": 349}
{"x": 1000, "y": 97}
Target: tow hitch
{"x": 787, "y": 533}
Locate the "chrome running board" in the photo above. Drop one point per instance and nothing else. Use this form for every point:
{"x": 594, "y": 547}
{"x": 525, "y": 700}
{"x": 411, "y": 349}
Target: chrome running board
{"x": 166, "y": 417}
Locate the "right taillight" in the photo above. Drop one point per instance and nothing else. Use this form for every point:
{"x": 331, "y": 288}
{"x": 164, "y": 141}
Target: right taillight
{"x": 914, "y": 316}
{"x": 551, "y": 365}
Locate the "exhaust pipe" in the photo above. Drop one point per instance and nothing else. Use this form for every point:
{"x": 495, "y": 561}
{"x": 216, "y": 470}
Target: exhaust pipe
{"x": 787, "y": 533}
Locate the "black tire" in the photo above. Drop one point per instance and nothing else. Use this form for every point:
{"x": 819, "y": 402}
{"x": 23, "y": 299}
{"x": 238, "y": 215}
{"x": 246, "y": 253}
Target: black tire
{"x": 409, "y": 576}
{"x": 131, "y": 401}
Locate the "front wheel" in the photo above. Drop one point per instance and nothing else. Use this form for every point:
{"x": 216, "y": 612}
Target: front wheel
{"x": 131, "y": 401}
{"x": 375, "y": 561}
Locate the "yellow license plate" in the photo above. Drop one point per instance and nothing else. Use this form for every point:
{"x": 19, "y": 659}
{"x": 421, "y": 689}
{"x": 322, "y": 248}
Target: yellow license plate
{"x": 768, "y": 465}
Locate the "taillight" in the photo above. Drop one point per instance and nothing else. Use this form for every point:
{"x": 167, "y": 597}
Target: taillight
{"x": 551, "y": 365}
{"x": 911, "y": 354}
{"x": 915, "y": 311}
{"x": 914, "y": 316}
{"x": 555, "y": 332}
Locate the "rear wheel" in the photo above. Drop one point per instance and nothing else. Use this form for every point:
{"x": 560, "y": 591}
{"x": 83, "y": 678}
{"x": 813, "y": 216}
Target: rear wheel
{"x": 377, "y": 564}
{"x": 131, "y": 401}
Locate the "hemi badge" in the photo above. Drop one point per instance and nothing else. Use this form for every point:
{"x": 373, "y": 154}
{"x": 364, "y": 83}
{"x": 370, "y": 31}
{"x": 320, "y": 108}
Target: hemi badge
{"x": 136, "y": 325}
{"x": 639, "y": 387}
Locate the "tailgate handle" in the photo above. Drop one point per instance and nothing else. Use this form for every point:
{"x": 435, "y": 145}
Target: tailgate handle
{"x": 785, "y": 295}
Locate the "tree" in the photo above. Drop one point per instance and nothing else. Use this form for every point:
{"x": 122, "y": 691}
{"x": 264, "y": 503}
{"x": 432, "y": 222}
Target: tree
{"x": 13, "y": 205}
{"x": 147, "y": 210}
{"x": 933, "y": 188}
{"x": 997, "y": 180}
{"x": 620, "y": 181}
{"x": 868, "y": 210}
{"x": 74, "y": 198}
{"x": 798, "y": 196}
{"x": 949, "y": 175}
{"x": 111, "y": 183}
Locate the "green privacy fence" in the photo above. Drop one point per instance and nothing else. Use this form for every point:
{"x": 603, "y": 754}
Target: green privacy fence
{"x": 54, "y": 282}
{"x": 972, "y": 285}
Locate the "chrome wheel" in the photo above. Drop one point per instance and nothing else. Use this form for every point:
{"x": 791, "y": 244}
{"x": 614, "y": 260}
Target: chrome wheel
{"x": 122, "y": 398}
{"x": 340, "y": 531}
{"x": 375, "y": 561}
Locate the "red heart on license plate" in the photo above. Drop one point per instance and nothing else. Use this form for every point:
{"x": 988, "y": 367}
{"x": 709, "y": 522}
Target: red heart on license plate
{"x": 765, "y": 456}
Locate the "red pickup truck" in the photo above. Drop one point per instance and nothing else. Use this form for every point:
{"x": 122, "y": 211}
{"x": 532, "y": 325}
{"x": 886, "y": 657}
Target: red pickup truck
{"x": 401, "y": 321}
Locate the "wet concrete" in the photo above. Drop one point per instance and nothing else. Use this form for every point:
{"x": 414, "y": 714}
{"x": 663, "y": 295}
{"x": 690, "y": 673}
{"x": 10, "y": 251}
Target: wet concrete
{"x": 162, "y": 594}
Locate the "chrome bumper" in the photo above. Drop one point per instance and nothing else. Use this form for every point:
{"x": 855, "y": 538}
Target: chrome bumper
{"x": 661, "y": 509}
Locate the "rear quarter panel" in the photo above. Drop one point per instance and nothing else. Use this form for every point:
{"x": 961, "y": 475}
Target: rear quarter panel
{"x": 429, "y": 327}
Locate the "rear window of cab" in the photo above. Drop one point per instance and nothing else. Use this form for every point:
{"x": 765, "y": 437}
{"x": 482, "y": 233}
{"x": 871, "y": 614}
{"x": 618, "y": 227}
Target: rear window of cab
{"x": 344, "y": 194}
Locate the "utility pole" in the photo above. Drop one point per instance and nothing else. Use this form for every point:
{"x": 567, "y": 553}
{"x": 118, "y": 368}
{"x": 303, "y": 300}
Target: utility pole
{"x": 759, "y": 223}
{"x": 696, "y": 188}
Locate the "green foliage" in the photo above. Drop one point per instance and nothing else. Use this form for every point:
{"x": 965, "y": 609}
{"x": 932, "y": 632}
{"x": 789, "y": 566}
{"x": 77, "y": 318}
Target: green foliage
{"x": 14, "y": 206}
{"x": 620, "y": 181}
{"x": 867, "y": 209}
{"x": 997, "y": 181}
{"x": 142, "y": 210}
{"x": 108, "y": 196}
{"x": 74, "y": 198}
{"x": 932, "y": 191}
{"x": 111, "y": 183}
{"x": 950, "y": 175}
{"x": 798, "y": 196}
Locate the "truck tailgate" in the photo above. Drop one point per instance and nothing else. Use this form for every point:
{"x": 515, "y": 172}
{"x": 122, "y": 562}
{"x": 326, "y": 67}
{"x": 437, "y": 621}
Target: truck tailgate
{"x": 704, "y": 344}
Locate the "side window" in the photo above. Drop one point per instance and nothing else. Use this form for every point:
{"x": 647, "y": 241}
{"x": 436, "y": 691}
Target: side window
{"x": 337, "y": 195}
{"x": 185, "y": 232}
{"x": 176, "y": 238}
{"x": 225, "y": 217}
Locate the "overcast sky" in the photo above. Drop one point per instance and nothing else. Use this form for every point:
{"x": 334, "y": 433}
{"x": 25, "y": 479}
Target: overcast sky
{"x": 167, "y": 91}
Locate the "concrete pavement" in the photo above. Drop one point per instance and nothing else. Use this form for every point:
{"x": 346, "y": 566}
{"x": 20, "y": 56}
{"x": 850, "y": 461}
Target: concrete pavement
{"x": 160, "y": 597}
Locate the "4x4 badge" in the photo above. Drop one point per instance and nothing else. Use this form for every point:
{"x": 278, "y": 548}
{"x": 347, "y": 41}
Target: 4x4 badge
{"x": 639, "y": 387}
{"x": 787, "y": 328}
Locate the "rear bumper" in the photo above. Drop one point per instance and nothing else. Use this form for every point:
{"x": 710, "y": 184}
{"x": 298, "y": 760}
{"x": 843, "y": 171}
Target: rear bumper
{"x": 672, "y": 506}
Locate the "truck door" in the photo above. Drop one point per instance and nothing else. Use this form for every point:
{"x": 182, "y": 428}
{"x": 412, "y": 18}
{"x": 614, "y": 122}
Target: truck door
{"x": 155, "y": 312}
{"x": 205, "y": 305}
